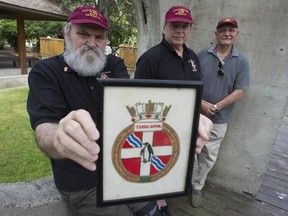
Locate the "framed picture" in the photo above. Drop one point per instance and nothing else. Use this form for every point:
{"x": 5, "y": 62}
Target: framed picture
{"x": 148, "y": 133}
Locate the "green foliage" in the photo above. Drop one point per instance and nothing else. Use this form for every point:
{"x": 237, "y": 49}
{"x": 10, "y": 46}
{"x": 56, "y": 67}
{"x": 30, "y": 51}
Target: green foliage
{"x": 2, "y": 44}
{"x": 8, "y": 31}
{"x": 36, "y": 29}
{"x": 71, "y": 4}
{"x": 33, "y": 30}
{"x": 121, "y": 16}
{"x": 21, "y": 160}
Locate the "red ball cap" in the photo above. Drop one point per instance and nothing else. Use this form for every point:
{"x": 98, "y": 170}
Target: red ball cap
{"x": 227, "y": 20}
{"x": 179, "y": 14}
{"x": 90, "y": 15}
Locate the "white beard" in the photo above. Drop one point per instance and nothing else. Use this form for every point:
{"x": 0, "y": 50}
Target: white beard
{"x": 85, "y": 63}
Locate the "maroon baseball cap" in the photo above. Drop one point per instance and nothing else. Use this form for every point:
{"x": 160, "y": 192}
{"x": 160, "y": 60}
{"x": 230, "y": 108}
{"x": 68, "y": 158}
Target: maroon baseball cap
{"x": 88, "y": 14}
{"x": 227, "y": 20}
{"x": 179, "y": 14}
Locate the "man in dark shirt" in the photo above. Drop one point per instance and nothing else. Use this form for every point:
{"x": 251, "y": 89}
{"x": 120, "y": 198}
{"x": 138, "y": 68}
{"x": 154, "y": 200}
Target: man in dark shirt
{"x": 62, "y": 106}
{"x": 171, "y": 59}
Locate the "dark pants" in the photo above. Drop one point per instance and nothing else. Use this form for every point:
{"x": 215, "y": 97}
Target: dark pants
{"x": 84, "y": 203}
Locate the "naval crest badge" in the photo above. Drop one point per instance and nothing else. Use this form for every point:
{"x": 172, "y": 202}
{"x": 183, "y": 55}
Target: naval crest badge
{"x": 146, "y": 150}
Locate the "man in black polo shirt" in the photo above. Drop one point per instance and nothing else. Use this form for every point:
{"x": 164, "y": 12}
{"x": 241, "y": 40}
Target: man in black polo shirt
{"x": 171, "y": 59}
{"x": 62, "y": 102}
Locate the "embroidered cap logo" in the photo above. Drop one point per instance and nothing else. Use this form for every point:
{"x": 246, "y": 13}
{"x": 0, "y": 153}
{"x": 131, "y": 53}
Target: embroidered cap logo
{"x": 181, "y": 12}
{"x": 92, "y": 13}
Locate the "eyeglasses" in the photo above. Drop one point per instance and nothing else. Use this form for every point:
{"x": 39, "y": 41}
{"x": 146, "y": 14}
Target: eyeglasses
{"x": 220, "y": 68}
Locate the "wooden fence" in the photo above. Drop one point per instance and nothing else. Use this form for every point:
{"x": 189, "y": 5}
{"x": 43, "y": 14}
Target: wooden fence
{"x": 129, "y": 54}
{"x": 51, "y": 47}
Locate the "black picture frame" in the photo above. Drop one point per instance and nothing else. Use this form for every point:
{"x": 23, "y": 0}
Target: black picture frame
{"x": 148, "y": 132}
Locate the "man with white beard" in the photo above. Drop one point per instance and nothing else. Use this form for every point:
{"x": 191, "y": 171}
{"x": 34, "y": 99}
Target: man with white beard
{"x": 61, "y": 103}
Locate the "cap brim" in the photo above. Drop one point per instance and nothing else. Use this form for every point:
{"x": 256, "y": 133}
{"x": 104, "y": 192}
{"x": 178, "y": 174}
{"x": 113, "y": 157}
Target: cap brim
{"x": 227, "y": 23}
{"x": 179, "y": 20}
{"x": 88, "y": 21}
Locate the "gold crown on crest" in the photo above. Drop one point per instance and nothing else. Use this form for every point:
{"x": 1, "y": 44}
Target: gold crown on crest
{"x": 150, "y": 110}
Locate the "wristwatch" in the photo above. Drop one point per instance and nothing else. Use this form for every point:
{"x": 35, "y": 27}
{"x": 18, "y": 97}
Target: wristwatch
{"x": 215, "y": 107}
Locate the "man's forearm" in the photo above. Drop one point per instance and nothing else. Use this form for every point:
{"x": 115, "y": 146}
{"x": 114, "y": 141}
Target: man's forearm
{"x": 231, "y": 98}
{"x": 44, "y": 134}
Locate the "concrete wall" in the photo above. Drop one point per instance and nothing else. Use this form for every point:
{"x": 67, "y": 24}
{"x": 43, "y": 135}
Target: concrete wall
{"x": 257, "y": 117}
{"x": 11, "y": 77}
{"x": 33, "y": 198}
{"x": 13, "y": 81}
{"x": 255, "y": 121}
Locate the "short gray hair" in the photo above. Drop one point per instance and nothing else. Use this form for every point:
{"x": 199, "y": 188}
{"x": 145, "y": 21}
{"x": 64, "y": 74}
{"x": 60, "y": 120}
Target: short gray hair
{"x": 67, "y": 27}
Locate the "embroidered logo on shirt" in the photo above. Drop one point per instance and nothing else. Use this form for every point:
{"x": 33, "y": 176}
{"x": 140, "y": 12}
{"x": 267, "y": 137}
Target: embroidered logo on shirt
{"x": 194, "y": 67}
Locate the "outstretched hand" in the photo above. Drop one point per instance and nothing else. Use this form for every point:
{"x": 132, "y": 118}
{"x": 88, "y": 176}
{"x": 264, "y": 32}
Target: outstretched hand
{"x": 73, "y": 138}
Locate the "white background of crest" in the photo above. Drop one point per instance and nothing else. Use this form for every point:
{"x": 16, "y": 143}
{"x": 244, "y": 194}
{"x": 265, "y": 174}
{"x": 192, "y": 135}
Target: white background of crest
{"x": 117, "y": 118}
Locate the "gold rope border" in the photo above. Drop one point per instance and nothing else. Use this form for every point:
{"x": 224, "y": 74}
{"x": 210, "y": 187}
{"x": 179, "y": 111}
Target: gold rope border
{"x": 118, "y": 144}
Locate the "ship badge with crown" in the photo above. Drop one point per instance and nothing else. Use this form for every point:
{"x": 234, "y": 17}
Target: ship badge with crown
{"x": 146, "y": 150}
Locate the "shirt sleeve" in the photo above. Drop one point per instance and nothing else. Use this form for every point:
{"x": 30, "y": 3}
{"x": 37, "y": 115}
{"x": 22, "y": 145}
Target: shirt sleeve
{"x": 144, "y": 69}
{"x": 44, "y": 103}
{"x": 242, "y": 78}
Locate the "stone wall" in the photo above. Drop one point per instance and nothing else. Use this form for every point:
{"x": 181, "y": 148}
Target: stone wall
{"x": 35, "y": 198}
{"x": 13, "y": 81}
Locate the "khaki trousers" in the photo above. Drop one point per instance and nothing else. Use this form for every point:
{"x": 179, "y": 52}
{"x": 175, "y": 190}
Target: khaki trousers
{"x": 204, "y": 162}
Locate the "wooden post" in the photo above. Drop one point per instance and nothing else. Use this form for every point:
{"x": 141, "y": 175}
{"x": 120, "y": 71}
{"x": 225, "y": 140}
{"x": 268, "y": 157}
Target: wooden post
{"x": 21, "y": 44}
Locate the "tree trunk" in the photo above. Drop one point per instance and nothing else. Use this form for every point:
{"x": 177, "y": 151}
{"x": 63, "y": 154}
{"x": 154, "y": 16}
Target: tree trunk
{"x": 148, "y": 16}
